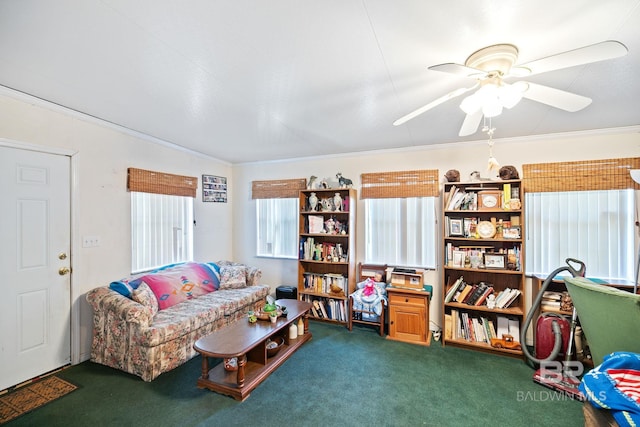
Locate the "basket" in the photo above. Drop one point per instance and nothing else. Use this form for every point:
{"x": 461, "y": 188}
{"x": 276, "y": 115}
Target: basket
{"x": 271, "y": 349}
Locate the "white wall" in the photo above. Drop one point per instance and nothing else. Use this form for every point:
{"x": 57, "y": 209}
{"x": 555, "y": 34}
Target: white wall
{"x": 103, "y": 203}
{"x": 466, "y": 157}
{"x": 227, "y": 230}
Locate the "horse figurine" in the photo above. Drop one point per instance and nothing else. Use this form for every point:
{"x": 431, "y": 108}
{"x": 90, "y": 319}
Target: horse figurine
{"x": 344, "y": 182}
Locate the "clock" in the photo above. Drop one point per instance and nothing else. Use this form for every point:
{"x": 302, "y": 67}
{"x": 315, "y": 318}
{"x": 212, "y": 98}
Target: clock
{"x": 486, "y": 229}
{"x": 489, "y": 199}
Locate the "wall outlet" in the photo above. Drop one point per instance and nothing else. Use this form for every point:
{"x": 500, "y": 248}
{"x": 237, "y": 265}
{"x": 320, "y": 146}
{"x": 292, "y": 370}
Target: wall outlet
{"x": 90, "y": 241}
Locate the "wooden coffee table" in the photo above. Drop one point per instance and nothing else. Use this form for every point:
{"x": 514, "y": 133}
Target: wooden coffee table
{"x": 247, "y": 341}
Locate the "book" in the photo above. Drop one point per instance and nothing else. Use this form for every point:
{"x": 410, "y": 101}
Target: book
{"x": 511, "y": 298}
{"x": 460, "y": 298}
{"x": 456, "y": 287}
{"x": 488, "y": 291}
{"x": 477, "y": 293}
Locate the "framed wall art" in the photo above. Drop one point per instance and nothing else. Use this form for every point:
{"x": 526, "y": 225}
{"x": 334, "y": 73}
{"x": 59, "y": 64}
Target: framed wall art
{"x": 214, "y": 188}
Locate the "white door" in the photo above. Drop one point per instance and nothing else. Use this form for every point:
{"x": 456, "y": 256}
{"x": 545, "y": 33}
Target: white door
{"x": 35, "y": 224}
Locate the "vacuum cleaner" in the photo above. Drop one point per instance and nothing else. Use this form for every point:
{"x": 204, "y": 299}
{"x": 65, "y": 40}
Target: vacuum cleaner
{"x": 556, "y": 327}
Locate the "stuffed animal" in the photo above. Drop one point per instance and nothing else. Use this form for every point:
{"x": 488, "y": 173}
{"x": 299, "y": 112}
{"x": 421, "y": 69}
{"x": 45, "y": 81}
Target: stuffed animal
{"x": 508, "y": 172}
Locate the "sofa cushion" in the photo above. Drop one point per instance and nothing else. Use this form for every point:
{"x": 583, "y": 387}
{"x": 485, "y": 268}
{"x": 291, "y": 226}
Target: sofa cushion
{"x": 145, "y": 296}
{"x": 181, "y": 283}
{"x": 233, "y": 277}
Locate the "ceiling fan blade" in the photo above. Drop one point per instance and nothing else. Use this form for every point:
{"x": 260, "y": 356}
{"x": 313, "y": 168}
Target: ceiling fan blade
{"x": 556, "y": 98}
{"x": 458, "y": 70}
{"x": 432, "y": 104}
{"x": 471, "y": 123}
{"x": 585, "y": 55}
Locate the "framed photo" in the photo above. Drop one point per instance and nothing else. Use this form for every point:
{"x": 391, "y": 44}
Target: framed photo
{"x": 489, "y": 199}
{"x": 458, "y": 259}
{"x": 214, "y": 188}
{"x": 495, "y": 261}
{"x": 511, "y": 233}
{"x": 455, "y": 227}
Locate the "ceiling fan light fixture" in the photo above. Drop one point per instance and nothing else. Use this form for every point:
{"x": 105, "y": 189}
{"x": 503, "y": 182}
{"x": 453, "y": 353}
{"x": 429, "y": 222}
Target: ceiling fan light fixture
{"x": 509, "y": 95}
{"x": 492, "y": 109}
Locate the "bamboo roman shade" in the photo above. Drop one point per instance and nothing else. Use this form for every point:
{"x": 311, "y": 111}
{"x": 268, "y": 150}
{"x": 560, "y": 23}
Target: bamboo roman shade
{"x": 278, "y": 189}
{"x": 161, "y": 183}
{"x": 583, "y": 175}
{"x": 402, "y": 184}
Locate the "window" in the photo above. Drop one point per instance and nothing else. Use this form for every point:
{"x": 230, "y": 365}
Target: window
{"x": 161, "y": 230}
{"x": 400, "y": 217}
{"x": 277, "y": 227}
{"x": 277, "y": 216}
{"x": 161, "y": 218}
{"x": 595, "y": 227}
{"x": 400, "y": 231}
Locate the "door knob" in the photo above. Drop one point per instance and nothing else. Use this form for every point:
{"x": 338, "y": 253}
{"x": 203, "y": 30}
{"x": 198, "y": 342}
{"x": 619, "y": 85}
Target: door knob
{"x": 62, "y": 255}
{"x": 63, "y": 270}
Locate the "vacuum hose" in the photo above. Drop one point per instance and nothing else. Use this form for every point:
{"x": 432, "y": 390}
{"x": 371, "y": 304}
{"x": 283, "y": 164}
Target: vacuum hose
{"x": 557, "y": 345}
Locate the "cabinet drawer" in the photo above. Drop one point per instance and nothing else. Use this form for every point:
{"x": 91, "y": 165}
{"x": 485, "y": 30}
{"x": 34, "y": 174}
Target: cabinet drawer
{"x": 407, "y": 300}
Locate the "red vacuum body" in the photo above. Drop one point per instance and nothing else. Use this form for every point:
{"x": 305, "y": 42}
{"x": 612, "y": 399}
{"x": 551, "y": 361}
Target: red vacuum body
{"x": 545, "y": 338}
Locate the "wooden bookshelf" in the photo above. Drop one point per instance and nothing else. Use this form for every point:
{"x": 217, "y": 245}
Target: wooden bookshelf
{"x": 483, "y": 246}
{"x": 326, "y": 261}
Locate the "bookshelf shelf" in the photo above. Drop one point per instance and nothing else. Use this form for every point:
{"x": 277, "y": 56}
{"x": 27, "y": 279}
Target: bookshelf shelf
{"x": 326, "y": 262}
{"x": 473, "y": 235}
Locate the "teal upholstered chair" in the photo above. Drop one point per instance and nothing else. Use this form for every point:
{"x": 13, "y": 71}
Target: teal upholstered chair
{"x": 609, "y": 317}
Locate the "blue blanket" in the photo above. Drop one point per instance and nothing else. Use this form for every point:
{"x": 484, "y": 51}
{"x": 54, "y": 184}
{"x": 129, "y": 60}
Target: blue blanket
{"x": 615, "y": 385}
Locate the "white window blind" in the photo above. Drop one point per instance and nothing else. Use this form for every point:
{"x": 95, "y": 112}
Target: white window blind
{"x": 401, "y": 231}
{"x": 277, "y": 227}
{"x": 596, "y": 227}
{"x": 161, "y": 230}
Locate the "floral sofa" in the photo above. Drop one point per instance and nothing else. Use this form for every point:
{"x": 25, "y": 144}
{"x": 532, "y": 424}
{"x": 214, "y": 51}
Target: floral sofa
{"x": 147, "y": 324}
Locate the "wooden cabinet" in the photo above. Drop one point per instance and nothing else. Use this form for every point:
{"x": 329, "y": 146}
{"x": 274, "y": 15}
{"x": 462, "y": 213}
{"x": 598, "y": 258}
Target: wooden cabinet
{"x": 408, "y": 315}
{"x": 483, "y": 252}
{"x": 326, "y": 264}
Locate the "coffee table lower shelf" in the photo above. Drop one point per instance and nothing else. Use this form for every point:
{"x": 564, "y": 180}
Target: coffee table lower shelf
{"x": 256, "y": 370}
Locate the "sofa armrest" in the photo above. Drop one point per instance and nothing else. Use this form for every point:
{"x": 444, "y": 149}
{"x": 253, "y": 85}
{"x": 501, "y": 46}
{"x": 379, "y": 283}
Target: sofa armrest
{"x": 103, "y": 299}
{"x": 253, "y": 276}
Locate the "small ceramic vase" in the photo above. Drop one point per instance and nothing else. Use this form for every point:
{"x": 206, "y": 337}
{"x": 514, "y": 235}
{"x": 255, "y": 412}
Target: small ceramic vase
{"x": 313, "y": 201}
{"x": 337, "y": 201}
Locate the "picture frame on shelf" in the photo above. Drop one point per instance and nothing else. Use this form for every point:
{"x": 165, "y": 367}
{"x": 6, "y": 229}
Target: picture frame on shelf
{"x": 458, "y": 259}
{"x": 495, "y": 261}
{"x": 511, "y": 233}
{"x": 489, "y": 200}
{"x": 455, "y": 227}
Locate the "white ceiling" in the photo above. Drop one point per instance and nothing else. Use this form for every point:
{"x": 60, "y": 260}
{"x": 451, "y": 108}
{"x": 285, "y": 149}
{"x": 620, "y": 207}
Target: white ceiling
{"x": 249, "y": 80}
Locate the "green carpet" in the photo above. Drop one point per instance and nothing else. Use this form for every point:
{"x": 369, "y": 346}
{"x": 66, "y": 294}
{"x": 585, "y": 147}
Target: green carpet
{"x": 338, "y": 378}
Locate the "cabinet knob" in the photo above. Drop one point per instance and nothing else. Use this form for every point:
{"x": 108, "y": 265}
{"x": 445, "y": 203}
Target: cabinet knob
{"x": 406, "y": 300}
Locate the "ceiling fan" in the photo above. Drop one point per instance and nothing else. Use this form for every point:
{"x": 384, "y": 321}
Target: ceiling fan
{"x": 492, "y": 65}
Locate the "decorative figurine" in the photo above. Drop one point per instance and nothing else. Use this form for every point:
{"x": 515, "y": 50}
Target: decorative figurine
{"x": 491, "y": 301}
{"x": 508, "y": 172}
{"x": 475, "y": 177}
{"x": 344, "y": 182}
{"x": 452, "y": 175}
{"x": 312, "y": 182}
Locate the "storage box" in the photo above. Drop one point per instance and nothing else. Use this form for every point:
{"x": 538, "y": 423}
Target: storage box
{"x": 286, "y": 292}
{"x": 413, "y": 279}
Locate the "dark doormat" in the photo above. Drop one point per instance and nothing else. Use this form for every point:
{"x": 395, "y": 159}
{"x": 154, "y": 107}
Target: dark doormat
{"x": 32, "y": 396}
